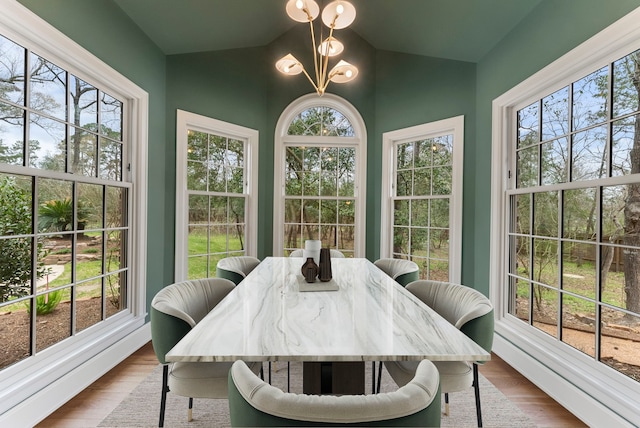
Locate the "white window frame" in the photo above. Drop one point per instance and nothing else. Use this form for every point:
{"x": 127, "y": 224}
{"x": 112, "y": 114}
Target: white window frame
{"x": 451, "y": 126}
{"x": 600, "y": 396}
{"x": 184, "y": 122}
{"x": 358, "y": 142}
{"x": 38, "y": 385}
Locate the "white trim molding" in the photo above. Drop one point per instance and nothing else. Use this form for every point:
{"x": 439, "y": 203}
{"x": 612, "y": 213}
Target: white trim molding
{"x": 358, "y": 142}
{"x": 595, "y": 393}
{"x": 34, "y": 387}
{"x": 184, "y": 121}
{"x": 451, "y": 126}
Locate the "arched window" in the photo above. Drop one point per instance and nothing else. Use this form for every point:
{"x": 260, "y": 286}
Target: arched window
{"x": 320, "y": 172}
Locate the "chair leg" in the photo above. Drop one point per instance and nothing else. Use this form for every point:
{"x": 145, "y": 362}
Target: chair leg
{"x": 446, "y": 404}
{"x": 379, "y": 375}
{"x": 163, "y": 397}
{"x": 288, "y": 376}
{"x": 190, "y": 411}
{"x": 476, "y": 387}
{"x": 269, "y": 372}
{"x": 373, "y": 377}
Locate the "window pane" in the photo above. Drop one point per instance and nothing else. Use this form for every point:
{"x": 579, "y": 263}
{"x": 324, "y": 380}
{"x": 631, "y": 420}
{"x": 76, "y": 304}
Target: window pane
{"x": 198, "y": 267}
{"x": 12, "y": 71}
{"x": 90, "y": 207}
{"x": 311, "y": 212}
{"x": 404, "y": 181}
{"x": 625, "y": 135}
{"x": 625, "y": 94}
{"x": 88, "y": 304}
{"x": 422, "y": 181}
{"x": 555, "y": 114}
{"x": 83, "y": 104}
{"x": 441, "y": 180}
{"x": 528, "y": 125}
{"x": 545, "y": 309}
{"x": 545, "y": 261}
{"x": 83, "y": 147}
{"x": 442, "y": 150}
{"x": 88, "y": 262}
{"x": 401, "y": 212}
{"x": 420, "y": 212}
{"x": 55, "y": 202}
{"x": 346, "y": 212}
{"x": 292, "y": 211}
{"x": 554, "y": 163}
{"x": 578, "y": 324}
{"x": 321, "y": 121}
{"x": 590, "y": 96}
{"x": 196, "y": 176}
{"x": 612, "y": 276}
{"x": 588, "y": 154}
{"x": 439, "y": 214}
{"x": 116, "y": 206}
{"x": 404, "y": 156}
{"x": 218, "y": 210}
{"x": 115, "y": 251}
{"x": 48, "y": 87}
{"x": 111, "y": 117}
{"x": 579, "y": 210}
{"x": 400, "y": 240}
{"x": 45, "y": 335}
{"x": 198, "y": 242}
{"x": 46, "y": 143}
{"x": 197, "y": 145}
{"x": 523, "y": 214}
{"x": 545, "y": 214}
{"x": 236, "y": 210}
{"x": 527, "y": 167}
{"x": 11, "y": 134}
{"x": 578, "y": 269}
{"x": 110, "y": 167}
{"x": 116, "y": 292}
{"x": 620, "y": 347}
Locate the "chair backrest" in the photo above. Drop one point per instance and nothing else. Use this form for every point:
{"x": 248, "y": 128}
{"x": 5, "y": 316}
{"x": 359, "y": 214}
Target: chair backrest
{"x": 236, "y": 268}
{"x": 402, "y": 271}
{"x": 178, "y": 307}
{"x": 252, "y": 402}
{"x": 468, "y": 309}
{"x": 334, "y": 253}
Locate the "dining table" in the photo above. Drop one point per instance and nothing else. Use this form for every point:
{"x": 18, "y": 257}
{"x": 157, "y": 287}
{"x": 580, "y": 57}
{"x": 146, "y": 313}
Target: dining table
{"x": 361, "y": 314}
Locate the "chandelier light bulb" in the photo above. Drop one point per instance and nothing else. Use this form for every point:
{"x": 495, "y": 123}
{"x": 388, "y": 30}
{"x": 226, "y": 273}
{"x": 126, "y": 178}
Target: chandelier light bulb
{"x": 339, "y": 9}
{"x": 299, "y": 4}
{"x": 348, "y": 73}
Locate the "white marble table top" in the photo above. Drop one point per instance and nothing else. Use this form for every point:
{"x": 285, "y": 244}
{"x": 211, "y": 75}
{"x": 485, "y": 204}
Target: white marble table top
{"x": 369, "y": 318}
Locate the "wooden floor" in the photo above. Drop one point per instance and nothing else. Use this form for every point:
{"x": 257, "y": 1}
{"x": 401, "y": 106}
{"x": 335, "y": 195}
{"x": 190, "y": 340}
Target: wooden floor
{"x": 92, "y": 405}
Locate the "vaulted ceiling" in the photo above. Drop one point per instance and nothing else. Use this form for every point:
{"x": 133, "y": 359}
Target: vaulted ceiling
{"x": 462, "y": 30}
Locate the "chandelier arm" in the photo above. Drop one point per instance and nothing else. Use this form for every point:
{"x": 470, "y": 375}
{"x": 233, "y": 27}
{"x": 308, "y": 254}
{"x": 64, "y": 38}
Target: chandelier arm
{"x": 316, "y": 87}
{"x": 325, "y": 81}
{"x": 315, "y": 56}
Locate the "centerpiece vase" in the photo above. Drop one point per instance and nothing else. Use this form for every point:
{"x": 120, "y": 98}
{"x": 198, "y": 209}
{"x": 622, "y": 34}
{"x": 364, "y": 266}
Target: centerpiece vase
{"x": 325, "y": 265}
{"x": 309, "y": 270}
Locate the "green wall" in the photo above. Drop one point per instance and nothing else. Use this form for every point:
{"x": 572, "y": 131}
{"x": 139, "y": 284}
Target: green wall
{"x": 393, "y": 91}
{"x": 551, "y": 30}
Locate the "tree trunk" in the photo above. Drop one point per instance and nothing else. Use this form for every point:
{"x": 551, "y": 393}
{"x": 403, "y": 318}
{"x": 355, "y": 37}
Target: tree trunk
{"x": 632, "y": 214}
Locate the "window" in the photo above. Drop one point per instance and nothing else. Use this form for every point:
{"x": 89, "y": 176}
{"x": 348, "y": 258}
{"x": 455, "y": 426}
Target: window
{"x": 422, "y": 197}
{"x": 216, "y": 213}
{"x": 566, "y": 244}
{"x": 71, "y": 200}
{"x": 319, "y": 181}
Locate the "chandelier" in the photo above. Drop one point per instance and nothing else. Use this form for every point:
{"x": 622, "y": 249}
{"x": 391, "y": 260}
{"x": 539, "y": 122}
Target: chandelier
{"x": 336, "y": 15}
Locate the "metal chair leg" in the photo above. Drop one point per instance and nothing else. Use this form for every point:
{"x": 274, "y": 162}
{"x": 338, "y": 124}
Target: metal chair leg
{"x": 288, "y": 376}
{"x": 163, "y": 397}
{"x": 190, "y": 411}
{"x": 373, "y": 377}
{"x": 379, "y": 375}
{"x": 476, "y": 387}
{"x": 446, "y": 404}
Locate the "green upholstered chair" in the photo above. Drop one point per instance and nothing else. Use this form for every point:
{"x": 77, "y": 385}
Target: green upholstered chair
{"x": 252, "y": 402}
{"x": 175, "y": 310}
{"x": 472, "y": 313}
{"x": 334, "y": 253}
{"x": 236, "y": 268}
{"x": 402, "y": 271}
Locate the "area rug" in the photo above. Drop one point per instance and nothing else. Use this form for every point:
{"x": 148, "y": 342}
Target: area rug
{"x": 142, "y": 406}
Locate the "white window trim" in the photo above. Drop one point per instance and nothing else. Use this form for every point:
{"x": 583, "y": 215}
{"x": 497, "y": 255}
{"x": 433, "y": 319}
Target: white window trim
{"x": 359, "y": 142}
{"x": 598, "y": 395}
{"x": 455, "y": 126}
{"x": 185, "y": 121}
{"x": 33, "y": 388}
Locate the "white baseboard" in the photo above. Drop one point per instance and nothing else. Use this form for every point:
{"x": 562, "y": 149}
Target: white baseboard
{"x": 584, "y": 406}
{"x": 40, "y": 405}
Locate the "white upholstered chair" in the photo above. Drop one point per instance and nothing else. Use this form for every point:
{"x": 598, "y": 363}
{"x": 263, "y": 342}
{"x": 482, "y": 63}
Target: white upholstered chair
{"x": 236, "y": 268}
{"x": 472, "y": 313}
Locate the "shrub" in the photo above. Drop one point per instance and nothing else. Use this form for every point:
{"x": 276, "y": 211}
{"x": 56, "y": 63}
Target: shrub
{"x": 46, "y": 303}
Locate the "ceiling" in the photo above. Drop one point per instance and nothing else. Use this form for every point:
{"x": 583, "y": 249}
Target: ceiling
{"x": 462, "y": 30}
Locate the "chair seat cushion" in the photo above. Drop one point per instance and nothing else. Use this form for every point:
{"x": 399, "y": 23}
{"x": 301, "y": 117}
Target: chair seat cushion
{"x": 202, "y": 380}
{"x": 454, "y": 375}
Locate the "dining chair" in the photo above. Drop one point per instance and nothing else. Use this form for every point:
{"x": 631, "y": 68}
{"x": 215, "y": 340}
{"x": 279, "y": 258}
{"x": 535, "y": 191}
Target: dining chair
{"x": 402, "y": 271}
{"x": 236, "y": 268}
{"x": 472, "y": 313}
{"x": 252, "y": 402}
{"x": 175, "y": 310}
{"x": 334, "y": 253}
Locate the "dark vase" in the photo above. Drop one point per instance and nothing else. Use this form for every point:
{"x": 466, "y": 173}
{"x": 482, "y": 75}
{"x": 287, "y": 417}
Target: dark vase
{"x": 309, "y": 270}
{"x": 325, "y": 265}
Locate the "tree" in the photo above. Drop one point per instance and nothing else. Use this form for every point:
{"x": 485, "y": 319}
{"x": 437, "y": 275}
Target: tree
{"x": 16, "y": 261}
{"x": 632, "y": 205}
